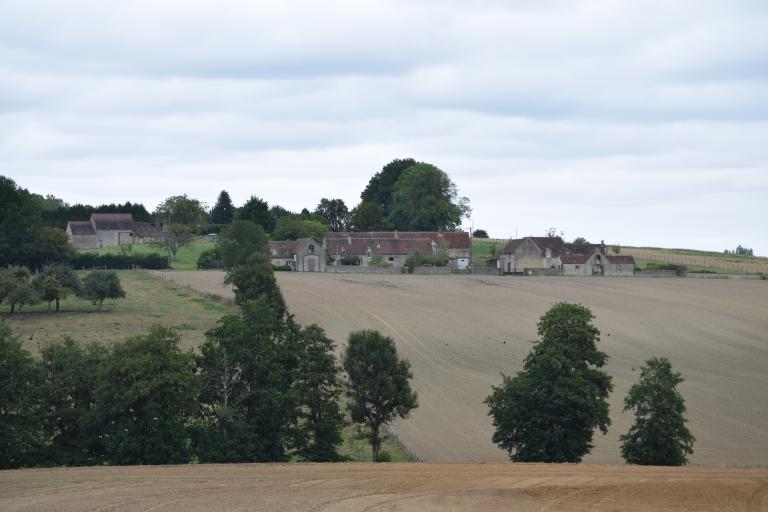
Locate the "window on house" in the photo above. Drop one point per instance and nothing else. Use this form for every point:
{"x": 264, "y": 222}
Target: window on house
{"x": 311, "y": 249}
{"x": 618, "y": 267}
{"x": 578, "y": 267}
{"x": 391, "y": 258}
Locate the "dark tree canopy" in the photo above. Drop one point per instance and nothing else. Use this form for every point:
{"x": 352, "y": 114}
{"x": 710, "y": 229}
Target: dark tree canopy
{"x": 658, "y": 436}
{"x": 367, "y": 216}
{"x": 580, "y": 241}
{"x": 334, "y": 213}
{"x": 19, "y": 223}
{"x": 379, "y": 383}
{"x": 382, "y": 185}
{"x": 480, "y": 233}
{"x": 223, "y": 211}
{"x": 549, "y": 410}
{"x": 257, "y": 211}
{"x": 50, "y": 246}
{"x": 255, "y": 279}
{"x": 20, "y": 408}
{"x": 145, "y": 393}
{"x": 425, "y": 199}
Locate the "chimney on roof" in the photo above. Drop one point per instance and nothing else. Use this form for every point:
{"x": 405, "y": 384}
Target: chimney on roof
{"x": 349, "y": 238}
{"x": 395, "y": 233}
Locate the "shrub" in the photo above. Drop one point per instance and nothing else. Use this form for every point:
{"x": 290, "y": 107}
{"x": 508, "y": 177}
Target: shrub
{"x": 209, "y": 258}
{"x": 282, "y": 268}
{"x": 154, "y": 261}
{"x": 418, "y": 259}
{"x": 350, "y": 260}
{"x": 656, "y": 265}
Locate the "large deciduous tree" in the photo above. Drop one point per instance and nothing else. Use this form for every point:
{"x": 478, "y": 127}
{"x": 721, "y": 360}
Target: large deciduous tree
{"x": 181, "y": 210}
{"x": 382, "y": 184}
{"x": 367, "y": 216}
{"x": 294, "y": 228}
{"x": 658, "y": 436}
{"x": 425, "y": 199}
{"x": 549, "y": 410}
{"x": 223, "y": 211}
{"x": 334, "y": 213}
{"x": 146, "y": 394}
{"x": 379, "y": 383}
{"x": 254, "y": 279}
{"x": 100, "y": 285}
{"x": 238, "y": 241}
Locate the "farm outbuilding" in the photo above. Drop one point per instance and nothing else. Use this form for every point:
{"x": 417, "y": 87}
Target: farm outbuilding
{"x": 111, "y": 229}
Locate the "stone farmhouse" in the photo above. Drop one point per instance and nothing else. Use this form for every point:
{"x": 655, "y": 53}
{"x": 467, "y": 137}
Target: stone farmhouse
{"x": 552, "y": 256}
{"x": 110, "y": 229}
{"x": 303, "y": 255}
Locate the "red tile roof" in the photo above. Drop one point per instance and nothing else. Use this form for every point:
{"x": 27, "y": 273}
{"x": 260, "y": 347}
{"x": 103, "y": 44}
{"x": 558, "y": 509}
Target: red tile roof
{"x": 452, "y": 239}
{"x": 573, "y": 259}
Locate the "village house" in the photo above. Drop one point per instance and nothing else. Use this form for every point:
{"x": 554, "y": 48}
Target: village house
{"x": 111, "y": 229}
{"x": 552, "y": 256}
{"x": 303, "y": 255}
{"x": 394, "y": 247}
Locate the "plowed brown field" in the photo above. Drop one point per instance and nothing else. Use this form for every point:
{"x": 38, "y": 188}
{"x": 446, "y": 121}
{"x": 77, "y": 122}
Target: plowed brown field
{"x": 461, "y": 332}
{"x": 384, "y": 487}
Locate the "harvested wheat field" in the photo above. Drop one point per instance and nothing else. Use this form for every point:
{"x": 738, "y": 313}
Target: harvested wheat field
{"x": 461, "y": 332}
{"x": 391, "y": 487}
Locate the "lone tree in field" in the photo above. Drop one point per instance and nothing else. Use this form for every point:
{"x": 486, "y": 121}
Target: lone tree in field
{"x": 549, "y": 410}
{"x": 659, "y": 436}
{"x": 379, "y": 385}
{"x": 100, "y": 285}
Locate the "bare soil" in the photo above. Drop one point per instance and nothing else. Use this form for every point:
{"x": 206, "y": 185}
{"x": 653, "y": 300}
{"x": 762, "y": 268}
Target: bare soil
{"x": 461, "y": 332}
{"x": 390, "y": 487}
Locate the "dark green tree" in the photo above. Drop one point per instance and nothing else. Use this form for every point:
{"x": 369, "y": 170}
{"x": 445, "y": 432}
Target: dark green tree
{"x": 238, "y": 241}
{"x": 223, "y": 211}
{"x": 257, "y": 211}
{"x": 367, "y": 216}
{"x": 146, "y": 393}
{"x": 480, "y": 233}
{"x": 181, "y": 210}
{"x": 382, "y": 185}
{"x": 51, "y": 246}
{"x": 379, "y": 383}
{"x": 21, "y": 434}
{"x": 580, "y": 241}
{"x": 319, "y": 431}
{"x": 425, "y": 199}
{"x": 68, "y": 389}
{"x": 658, "y": 436}
{"x": 15, "y": 287}
{"x": 249, "y": 365}
{"x": 549, "y": 410}
{"x": 19, "y": 223}
{"x": 100, "y": 285}
{"x": 254, "y": 279}
{"x": 333, "y": 213}
{"x": 294, "y": 228}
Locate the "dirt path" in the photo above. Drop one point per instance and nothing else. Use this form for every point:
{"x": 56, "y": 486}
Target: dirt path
{"x": 390, "y": 487}
{"x": 461, "y": 332}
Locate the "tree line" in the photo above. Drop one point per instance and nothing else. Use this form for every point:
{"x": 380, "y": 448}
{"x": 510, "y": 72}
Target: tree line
{"x": 261, "y": 388}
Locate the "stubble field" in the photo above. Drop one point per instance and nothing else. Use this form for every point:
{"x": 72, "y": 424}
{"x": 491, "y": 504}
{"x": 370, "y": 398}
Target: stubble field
{"x": 390, "y": 487}
{"x": 461, "y": 332}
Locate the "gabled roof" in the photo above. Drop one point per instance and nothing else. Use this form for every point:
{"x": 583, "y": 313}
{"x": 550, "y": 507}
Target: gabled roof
{"x": 586, "y": 249}
{"x": 383, "y": 246}
{"x": 81, "y": 227}
{"x": 620, "y": 259}
{"x": 554, "y": 243}
{"x": 112, "y": 221}
{"x": 573, "y": 259}
{"x": 451, "y": 239}
{"x": 287, "y": 248}
{"x": 145, "y": 229}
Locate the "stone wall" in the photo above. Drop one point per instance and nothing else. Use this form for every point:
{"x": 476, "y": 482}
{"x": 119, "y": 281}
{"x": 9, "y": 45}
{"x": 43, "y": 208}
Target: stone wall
{"x": 543, "y": 272}
{"x": 432, "y": 270}
{"x": 485, "y": 271}
{"x": 359, "y": 269}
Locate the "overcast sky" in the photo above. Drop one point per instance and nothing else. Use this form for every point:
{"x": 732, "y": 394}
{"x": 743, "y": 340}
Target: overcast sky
{"x": 634, "y": 122}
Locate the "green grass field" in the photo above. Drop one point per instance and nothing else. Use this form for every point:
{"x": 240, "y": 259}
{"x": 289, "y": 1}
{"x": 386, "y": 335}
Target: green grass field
{"x": 186, "y": 257}
{"x": 484, "y": 248}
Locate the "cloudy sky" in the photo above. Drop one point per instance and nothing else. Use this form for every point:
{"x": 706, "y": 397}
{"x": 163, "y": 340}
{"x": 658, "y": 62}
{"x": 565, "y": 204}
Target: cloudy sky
{"x": 637, "y": 122}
